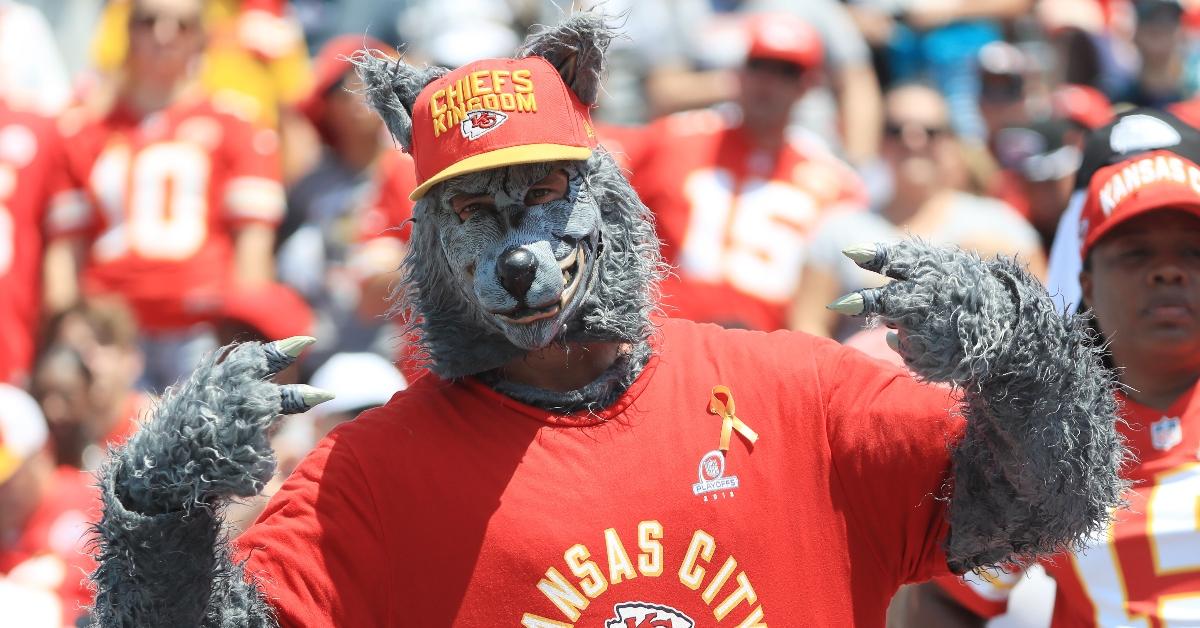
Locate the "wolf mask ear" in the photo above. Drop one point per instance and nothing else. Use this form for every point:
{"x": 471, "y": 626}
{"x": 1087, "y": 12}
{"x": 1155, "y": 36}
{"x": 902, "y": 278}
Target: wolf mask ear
{"x": 391, "y": 86}
{"x": 576, "y": 47}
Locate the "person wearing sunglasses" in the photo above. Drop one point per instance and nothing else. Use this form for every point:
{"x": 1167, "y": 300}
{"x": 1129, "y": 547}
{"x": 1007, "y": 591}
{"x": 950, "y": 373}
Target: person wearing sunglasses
{"x": 926, "y": 170}
{"x": 174, "y": 193}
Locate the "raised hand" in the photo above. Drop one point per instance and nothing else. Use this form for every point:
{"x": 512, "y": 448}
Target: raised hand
{"x": 163, "y": 559}
{"x": 208, "y": 439}
{"x": 1037, "y": 468}
{"x": 956, "y": 313}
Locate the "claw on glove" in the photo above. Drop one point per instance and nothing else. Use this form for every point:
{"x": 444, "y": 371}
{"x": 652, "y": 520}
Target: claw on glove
{"x": 865, "y": 255}
{"x": 851, "y": 304}
{"x": 296, "y": 398}
{"x": 282, "y": 353}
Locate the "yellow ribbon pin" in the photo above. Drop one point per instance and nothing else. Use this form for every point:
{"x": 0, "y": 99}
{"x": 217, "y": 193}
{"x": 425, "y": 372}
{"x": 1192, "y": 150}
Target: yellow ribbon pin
{"x": 721, "y": 404}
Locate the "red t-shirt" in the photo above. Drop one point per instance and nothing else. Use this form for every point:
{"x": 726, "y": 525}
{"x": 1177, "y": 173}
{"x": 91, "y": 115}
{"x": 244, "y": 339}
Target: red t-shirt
{"x": 160, "y": 197}
{"x": 1145, "y": 569}
{"x": 31, "y": 162}
{"x": 50, "y": 553}
{"x": 455, "y": 505}
{"x": 734, "y": 220}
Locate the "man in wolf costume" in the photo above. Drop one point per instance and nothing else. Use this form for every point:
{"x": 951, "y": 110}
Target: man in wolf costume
{"x": 573, "y": 459}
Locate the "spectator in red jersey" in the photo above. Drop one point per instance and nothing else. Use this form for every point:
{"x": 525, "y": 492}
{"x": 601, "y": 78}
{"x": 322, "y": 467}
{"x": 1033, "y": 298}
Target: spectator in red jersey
{"x": 85, "y": 381}
{"x": 30, "y": 159}
{"x": 178, "y": 196}
{"x": 44, "y": 515}
{"x": 1141, "y": 278}
{"x": 734, "y": 195}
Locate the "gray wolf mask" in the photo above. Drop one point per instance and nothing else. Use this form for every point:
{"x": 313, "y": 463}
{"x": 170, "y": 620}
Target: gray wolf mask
{"x": 488, "y": 285}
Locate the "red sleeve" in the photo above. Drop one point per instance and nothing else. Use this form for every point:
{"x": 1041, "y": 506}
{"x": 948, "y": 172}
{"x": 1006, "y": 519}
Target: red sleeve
{"x": 317, "y": 551}
{"x": 890, "y": 438}
{"x": 388, "y": 212}
{"x": 253, "y": 191}
{"x": 69, "y": 210}
{"x": 969, "y": 597}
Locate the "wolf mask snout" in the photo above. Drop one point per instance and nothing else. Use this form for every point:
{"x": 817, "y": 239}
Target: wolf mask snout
{"x": 516, "y": 268}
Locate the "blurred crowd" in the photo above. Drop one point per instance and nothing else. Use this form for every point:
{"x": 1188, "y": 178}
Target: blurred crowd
{"x": 179, "y": 174}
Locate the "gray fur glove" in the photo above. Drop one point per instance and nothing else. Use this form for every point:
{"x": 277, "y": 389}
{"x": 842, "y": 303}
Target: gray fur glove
{"x": 1038, "y": 468}
{"x": 162, "y": 558}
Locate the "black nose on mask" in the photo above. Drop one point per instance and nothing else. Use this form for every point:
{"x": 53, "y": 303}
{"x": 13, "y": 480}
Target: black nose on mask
{"x": 516, "y": 269}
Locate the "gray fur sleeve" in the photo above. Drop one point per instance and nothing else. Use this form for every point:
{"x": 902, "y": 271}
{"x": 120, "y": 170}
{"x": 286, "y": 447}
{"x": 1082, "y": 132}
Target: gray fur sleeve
{"x": 162, "y": 557}
{"x": 1038, "y": 468}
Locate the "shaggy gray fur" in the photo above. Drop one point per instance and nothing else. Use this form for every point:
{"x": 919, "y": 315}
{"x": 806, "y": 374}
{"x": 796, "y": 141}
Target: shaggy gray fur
{"x": 576, "y": 47}
{"x": 163, "y": 492}
{"x": 391, "y": 86}
{"x": 1038, "y": 468}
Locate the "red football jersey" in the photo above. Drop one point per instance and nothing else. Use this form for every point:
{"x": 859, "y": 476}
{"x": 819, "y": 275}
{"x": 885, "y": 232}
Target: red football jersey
{"x": 31, "y": 163}
{"x": 1144, "y": 570}
{"x": 455, "y": 505}
{"x": 734, "y": 220}
{"x": 159, "y": 199}
{"x": 50, "y": 555}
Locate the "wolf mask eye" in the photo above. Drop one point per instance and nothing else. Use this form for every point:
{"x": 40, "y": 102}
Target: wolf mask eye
{"x": 467, "y": 205}
{"x": 552, "y": 188}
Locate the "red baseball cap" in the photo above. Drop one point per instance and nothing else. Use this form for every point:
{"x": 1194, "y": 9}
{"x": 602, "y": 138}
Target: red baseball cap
{"x": 493, "y": 113}
{"x": 330, "y": 66}
{"x": 1151, "y": 181}
{"x": 274, "y": 310}
{"x": 1083, "y": 105}
{"x": 784, "y": 37}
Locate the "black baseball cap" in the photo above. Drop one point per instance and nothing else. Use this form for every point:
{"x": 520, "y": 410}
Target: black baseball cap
{"x": 1039, "y": 151}
{"x": 1134, "y": 132}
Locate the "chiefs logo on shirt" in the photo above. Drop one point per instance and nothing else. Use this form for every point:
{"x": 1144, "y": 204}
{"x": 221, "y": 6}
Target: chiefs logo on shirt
{"x": 643, "y": 615}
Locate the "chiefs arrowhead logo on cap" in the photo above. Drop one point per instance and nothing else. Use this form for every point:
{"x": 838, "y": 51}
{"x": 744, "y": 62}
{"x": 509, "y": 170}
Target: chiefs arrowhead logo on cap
{"x": 508, "y": 111}
{"x": 481, "y": 122}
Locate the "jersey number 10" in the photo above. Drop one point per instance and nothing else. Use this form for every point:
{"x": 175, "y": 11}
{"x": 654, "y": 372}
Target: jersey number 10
{"x": 155, "y": 202}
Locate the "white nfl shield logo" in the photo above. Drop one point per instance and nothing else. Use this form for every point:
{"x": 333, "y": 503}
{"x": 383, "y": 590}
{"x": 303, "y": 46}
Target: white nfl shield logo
{"x": 1166, "y": 433}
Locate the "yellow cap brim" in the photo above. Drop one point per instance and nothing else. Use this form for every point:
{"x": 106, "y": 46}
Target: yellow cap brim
{"x": 511, "y": 156}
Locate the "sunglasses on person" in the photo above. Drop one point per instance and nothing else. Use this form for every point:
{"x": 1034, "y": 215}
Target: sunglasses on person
{"x": 895, "y": 129}
{"x": 782, "y": 69}
{"x": 145, "y": 20}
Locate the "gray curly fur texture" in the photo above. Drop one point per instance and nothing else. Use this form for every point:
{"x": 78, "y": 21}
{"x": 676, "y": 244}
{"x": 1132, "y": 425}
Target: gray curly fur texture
{"x": 1038, "y": 468}
{"x": 390, "y": 87}
{"x": 163, "y": 493}
{"x": 576, "y": 47}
